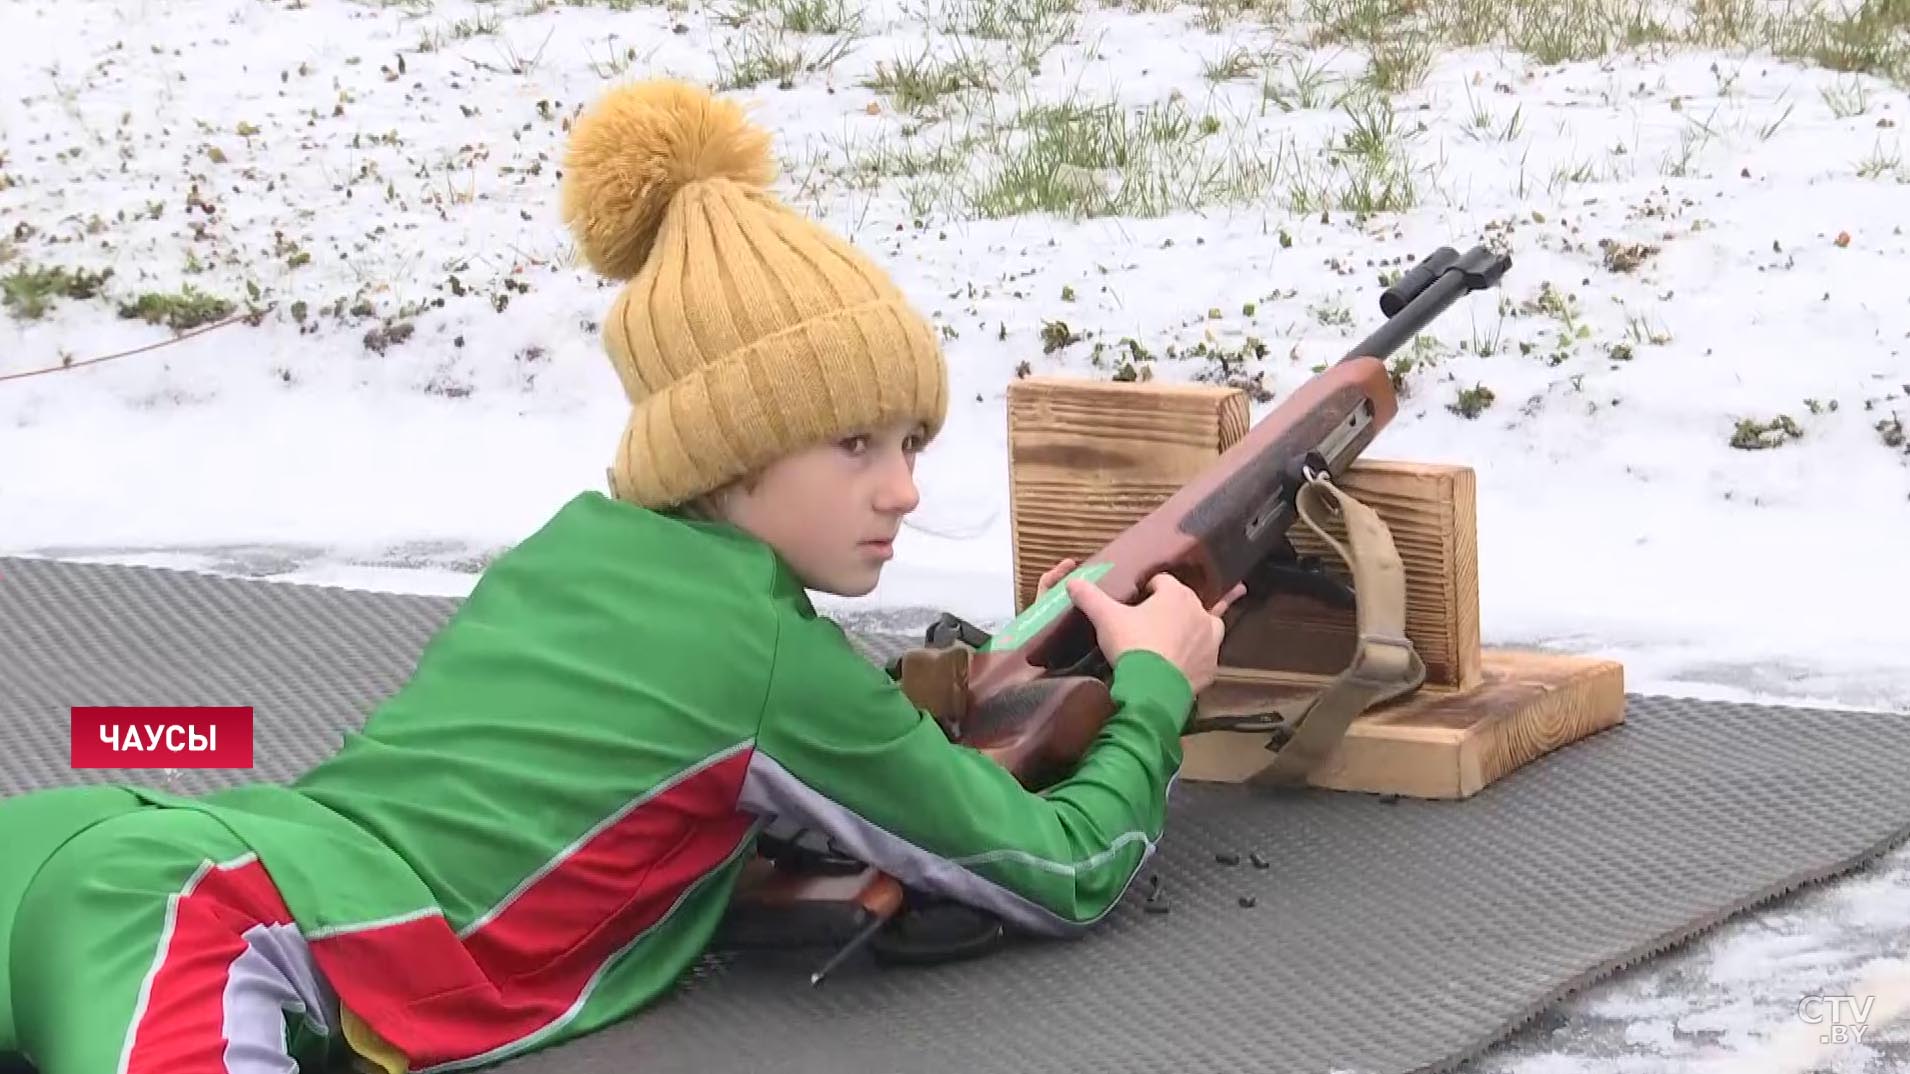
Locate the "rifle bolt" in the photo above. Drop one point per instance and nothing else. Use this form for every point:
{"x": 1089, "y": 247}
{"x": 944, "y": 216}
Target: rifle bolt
{"x": 1227, "y": 857}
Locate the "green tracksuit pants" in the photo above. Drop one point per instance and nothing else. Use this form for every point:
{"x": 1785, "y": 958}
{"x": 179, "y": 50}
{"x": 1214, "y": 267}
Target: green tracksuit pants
{"x": 139, "y": 939}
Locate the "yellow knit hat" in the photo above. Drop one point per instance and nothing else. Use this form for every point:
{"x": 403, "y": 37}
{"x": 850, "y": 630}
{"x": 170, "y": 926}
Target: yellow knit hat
{"x": 745, "y": 331}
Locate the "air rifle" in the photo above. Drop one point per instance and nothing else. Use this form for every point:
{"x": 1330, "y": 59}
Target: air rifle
{"x": 1034, "y": 696}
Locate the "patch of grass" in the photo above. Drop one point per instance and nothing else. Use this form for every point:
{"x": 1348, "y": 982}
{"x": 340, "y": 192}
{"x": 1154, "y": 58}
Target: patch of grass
{"x": 1472, "y": 402}
{"x": 921, "y": 83}
{"x": 1625, "y": 256}
{"x": 1769, "y": 130}
{"x": 1056, "y": 335}
{"x": 1227, "y": 366}
{"x": 613, "y": 63}
{"x": 513, "y": 62}
{"x": 925, "y": 161}
{"x": 1302, "y": 86}
{"x": 1031, "y": 28}
{"x": 1882, "y": 163}
{"x": 1366, "y": 169}
{"x": 1847, "y": 98}
{"x": 1874, "y": 38}
{"x": 1565, "y": 173}
{"x": 28, "y": 292}
{"x": 1399, "y": 62}
{"x": 912, "y": 160}
{"x": 1333, "y": 314}
{"x": 1860, "y": 36}
{"x": 1221, "y": 363}
{"x": 1212, "y": 15}
{"x": 482, "y": 23}
{"x": 1691, "y": 141}
{"x": 387, "y": 335}
{"x": 758, "y": 56}
{"x": 1751, "y": 435}
{"x": 1641, "y": 330}
{"x": 1006, "y": 20}
{"x": 1352, "y": 21}
{"x": 827, "y": 17}
{"x": 1090, "y": 158}
{"x": 1551, "y": 302}
{"x": 181, "y": 310}
{"x": 1485, "y": 122}
{"x": 927, "y": 168}
{"x": 1233, "y": 64}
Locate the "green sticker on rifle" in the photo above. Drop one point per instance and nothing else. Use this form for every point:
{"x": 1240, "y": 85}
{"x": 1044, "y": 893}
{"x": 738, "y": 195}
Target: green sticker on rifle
{"x": 1043, "y": 611}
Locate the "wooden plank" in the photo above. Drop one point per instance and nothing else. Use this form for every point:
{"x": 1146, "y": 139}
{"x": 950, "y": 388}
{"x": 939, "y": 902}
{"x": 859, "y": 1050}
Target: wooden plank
{"x": 1431, "y": 513}
{"x": 1089, "y": 458}
{"x": 1438, "y": 743}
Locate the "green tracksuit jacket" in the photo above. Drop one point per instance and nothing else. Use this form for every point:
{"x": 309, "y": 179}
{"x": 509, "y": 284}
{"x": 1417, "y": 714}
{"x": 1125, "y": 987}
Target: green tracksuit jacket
{"x": 540, "y": 831}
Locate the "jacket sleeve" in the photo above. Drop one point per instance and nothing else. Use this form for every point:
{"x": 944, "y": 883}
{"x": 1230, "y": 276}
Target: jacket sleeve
{"x": 842, "y": 750}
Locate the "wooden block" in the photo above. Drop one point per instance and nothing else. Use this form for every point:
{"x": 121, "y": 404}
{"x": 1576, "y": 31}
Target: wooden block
{"x": 1430, "y": 510}
{"x": 1089, "y": 458}
{"x": 1438, "y": 742}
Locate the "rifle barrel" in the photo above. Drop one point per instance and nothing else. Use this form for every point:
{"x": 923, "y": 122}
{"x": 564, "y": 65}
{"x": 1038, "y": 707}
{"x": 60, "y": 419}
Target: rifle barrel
{"x": 1452, "y": 277}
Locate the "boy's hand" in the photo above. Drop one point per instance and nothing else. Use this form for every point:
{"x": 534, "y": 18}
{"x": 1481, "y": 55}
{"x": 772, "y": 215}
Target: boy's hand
{"x": 1055, "y": 574}
{"x": 1061, "y": 569}
{"x": 1170, "y": 622}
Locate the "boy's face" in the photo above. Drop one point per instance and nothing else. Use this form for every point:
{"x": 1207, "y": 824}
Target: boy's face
{"x": 833, "y": 509}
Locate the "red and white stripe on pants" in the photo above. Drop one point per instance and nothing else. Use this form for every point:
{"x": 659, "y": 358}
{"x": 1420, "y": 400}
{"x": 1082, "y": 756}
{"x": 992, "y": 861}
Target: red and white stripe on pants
{"x": 230, "y": 966}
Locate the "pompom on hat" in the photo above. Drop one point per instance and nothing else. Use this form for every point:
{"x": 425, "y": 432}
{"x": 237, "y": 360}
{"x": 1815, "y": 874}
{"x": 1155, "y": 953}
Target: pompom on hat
{"x": 744, "y": 331}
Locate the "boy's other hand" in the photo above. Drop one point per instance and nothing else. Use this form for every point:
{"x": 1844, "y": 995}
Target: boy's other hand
{"x": 1171, "y": 622}
{"x": 1054, "y": 575}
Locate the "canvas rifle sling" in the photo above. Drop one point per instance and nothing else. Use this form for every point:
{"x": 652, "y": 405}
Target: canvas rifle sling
{"x": 1384, "y": 666}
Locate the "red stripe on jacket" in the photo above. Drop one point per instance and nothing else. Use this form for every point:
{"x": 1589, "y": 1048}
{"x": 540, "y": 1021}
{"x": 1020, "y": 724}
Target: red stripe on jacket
{"x": 439, "y": 998}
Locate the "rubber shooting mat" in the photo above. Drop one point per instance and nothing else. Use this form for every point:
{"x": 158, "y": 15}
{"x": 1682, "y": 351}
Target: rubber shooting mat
{"x": 1383, "y": 937}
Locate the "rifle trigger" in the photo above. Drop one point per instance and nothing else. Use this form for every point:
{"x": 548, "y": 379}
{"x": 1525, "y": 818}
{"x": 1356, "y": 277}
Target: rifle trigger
{"x": 1288, "y": 572}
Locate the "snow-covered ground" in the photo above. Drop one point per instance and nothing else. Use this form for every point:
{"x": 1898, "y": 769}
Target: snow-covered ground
{"x": 1703, "y": 237}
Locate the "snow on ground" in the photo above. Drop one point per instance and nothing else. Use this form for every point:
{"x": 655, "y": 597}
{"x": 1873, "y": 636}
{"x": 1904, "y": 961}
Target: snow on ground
{"x": 1708, "y": 246}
